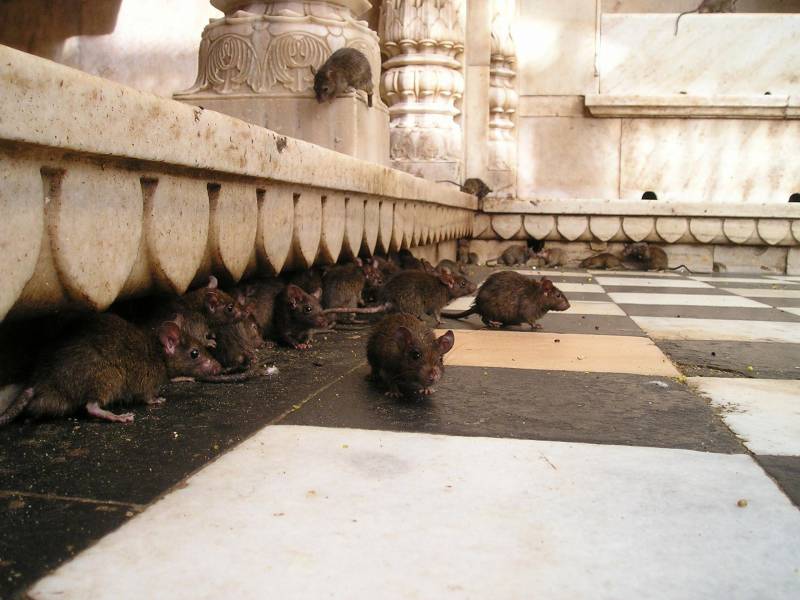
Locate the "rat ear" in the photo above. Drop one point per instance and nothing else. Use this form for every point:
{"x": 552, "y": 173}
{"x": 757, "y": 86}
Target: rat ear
{"x": 445, "y": 342}
{"x": 358, "y": 261}
{"x": 212, "y": 283}
{"x": 294, "y": 294}
{"x": 374, "y": 262}
{"x": 169, "y": 334}
{"x": 317, "y": 293}
{"x": 313, "y": 69}
{"x": 212, "y": 300}
{"x": 546, "y": 284}
{"x": 403, "y": 337}
{"x": 178, "y": 320}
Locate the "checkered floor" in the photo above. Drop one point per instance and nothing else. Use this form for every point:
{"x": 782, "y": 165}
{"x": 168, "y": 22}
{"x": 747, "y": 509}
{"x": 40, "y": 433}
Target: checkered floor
{"x": 645, "y": 443}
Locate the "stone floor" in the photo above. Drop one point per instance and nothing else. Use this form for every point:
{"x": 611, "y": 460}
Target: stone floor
{"x": 646, "y": 443}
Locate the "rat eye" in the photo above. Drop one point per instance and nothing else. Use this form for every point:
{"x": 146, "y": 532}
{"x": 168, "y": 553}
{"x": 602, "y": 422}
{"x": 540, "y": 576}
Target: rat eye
{"x": 194, "y": 353}
{"x": 229, "y": 308}
{"x": 307, "y": 308}
{"x": 415, "y": 354}
{"x": 463, "y": 283}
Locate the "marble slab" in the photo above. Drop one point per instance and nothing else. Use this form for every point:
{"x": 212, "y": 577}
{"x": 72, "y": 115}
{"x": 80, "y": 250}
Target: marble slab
{"x": 764, "y": 293}
{"x": 648, "y": 282}
{"x": 716, "y": 54}
{"x": 310, "y": 512}
{"x": 668, "y": 328}
{"x": 684, "y": 299}
{"x": 764, "y": 413}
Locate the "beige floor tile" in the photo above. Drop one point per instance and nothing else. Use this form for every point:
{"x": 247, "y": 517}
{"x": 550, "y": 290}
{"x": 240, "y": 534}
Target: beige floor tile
{"x": 572, "y": 352}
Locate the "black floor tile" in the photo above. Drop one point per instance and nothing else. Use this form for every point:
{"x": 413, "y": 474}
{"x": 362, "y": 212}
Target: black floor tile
{"x": 548, "y": 405}
{"x": 786, "y": 471}
{"x": 769, "y": 360}
{"x": 709, "y": 312}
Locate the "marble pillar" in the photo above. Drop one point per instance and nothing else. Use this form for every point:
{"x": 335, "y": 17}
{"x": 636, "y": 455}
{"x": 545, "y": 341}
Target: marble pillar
{"x": 257, "y": 63}
{"x": 502, "y": 101}
{"x": 423, "y": 83}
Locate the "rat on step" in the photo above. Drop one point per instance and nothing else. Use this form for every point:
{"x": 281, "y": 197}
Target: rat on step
{"x": 508, "y": 298}
{"x": 344, "y": 285}
{"x": 405, "y": 356}
{"x": 514, "y": 255}
{"x": 604, "y": 260}
{"x": 346, "y": 69}
{"x": 216, "y": 305}
{"x": 649, "y": 258}
{"x": 104, "y": 360}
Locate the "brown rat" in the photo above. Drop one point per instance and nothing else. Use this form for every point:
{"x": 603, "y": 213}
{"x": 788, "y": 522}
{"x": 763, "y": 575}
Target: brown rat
{"x": 216, "y": 305}
{"x": 405, "y": 356}
{"x": 649, "y": 258}
{"x": 258, "y": 299}
{"x": 347, "y": 68}
{"x": 386, "y": 267}
{"x": 451, "y": 266}
{"x": 105, "y": 359}
{"x": 422, "y": 294}
{"x": 310, "y": 280}
{"x": 513, "y": 255}
{"x": 508, "y": 298}
{"x": 552, "y": 257}
{"x": 604, "y": 260}
{"x": 296, "y": 316}
{"x": 709, "y": 6}
{"x": 406, "y": 260}
{"x": 344, "y": 285}
{"x": 237, "y": 342}
{"x": 473, "y": 185}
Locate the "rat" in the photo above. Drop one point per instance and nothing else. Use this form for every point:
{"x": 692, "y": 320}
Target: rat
{"x": 218, "y": 306}
{"x": 405, "y": 356}
{"x": 423, "y": 294}
{"x": 604, "y": 260}
{"x": 106, "y": 359}
{"x": 406, "y": 260}
{"x": 514, "y": 255}
{"x": 296, "y": 315}
{"x": 552, "y": 257}
{"x": 709, "y": 6}
{"x": 258, "y": 299}
{"x": 451, "y": 266}
{"x": 386, "y": 267}
{"x": 343, "y": 286}
{"x": 649, "y": 258}
{"x": 237, "y": 342}
{"x": 508, "y": 298}
{"x": 473, "y": 185}
{"x": 347, "y": 68}
{"x": 310, "y": 280}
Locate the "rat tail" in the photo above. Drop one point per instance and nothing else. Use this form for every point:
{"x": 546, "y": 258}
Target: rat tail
{"x": 678, "y": 20}
{"x": 367, "y": 310}
{"x": 13, "y": 400}
{"x": 681, "y": 267}
{"x": 463, "y": 315}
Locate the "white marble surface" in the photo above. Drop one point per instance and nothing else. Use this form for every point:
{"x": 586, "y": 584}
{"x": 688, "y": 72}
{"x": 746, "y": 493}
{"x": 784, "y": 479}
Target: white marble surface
{"x": 304, "y": 512}
{"x": 794, "y": 310}
{"x": 684, "y": 300}
{"x": 764, "y": 293}
{"x": 647, "y": 281}
{"x": 712, "y": 54}
{"x": 721, "y": 280}
{"x": 632, "y": 275}
{"x": 764, "y": 413}
{"x": 566, "y": 157}
{"x": 753, "y": 160}
{"x": 668, "y": 328}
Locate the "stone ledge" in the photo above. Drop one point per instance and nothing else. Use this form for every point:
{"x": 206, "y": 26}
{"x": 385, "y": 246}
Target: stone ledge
{"x": 692, "y": 107}
{"x": 46, "y": 104}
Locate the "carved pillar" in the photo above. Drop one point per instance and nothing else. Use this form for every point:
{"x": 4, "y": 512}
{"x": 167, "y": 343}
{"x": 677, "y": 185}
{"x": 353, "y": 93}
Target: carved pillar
{"x": 502, "y": 101}
{"x": 257, "y": 63}
{"x": 423, "y": 84}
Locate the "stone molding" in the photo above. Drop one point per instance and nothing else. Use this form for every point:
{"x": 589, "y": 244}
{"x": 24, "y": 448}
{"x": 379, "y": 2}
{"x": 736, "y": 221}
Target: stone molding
{"x": 627, "y": 221}
{"x": 693, "y": 107}
{"x": 109, "y": 192}
{"x": 423, "y": 83}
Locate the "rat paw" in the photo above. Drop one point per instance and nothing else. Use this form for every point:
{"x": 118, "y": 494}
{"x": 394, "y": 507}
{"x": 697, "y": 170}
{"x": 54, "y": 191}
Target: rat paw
{"x": 535, "y": 326}
{"x": 393, "y": 394}
{"x": 494, "y": 324}
{"x": 304, "y": 346}
{"x": 427, "y": 391}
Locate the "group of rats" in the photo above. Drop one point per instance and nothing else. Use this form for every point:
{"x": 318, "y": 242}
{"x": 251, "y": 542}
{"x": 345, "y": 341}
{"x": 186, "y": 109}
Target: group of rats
{"x": 209, "y": 334}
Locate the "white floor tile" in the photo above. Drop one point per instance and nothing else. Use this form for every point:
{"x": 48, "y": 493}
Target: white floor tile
{"x": 764, "y": 292}
{"x": 302, "y": 512}
{"x": 684, "y": 299}
{"x": 765, "y": 413}
{"x": 725, "y": 280}
{"x": 459, "y": 304}
{"x": 785, "y": 277}
{"x": 665, "y": 328}
{"x": 651, "y": 282}
{"x": 795, "y": 310}
{"x": 632, "y": 273}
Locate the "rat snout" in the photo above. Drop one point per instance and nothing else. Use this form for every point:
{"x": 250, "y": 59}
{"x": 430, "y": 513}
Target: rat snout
{"x": 433, "y": 375}
{"x": 211, "y": 367}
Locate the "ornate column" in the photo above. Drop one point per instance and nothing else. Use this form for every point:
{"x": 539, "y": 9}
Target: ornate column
{"x": 257, "y": 63}
{"x": 502, "y": 101}
{"x": 423, "y": 84}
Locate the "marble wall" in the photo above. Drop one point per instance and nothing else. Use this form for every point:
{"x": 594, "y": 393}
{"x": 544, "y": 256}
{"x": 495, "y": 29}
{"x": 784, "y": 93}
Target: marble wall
{"x": 733, "y": 54}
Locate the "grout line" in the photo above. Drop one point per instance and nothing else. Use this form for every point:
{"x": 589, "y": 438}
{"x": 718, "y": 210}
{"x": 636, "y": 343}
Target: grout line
{"x": 15, "y": 493}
